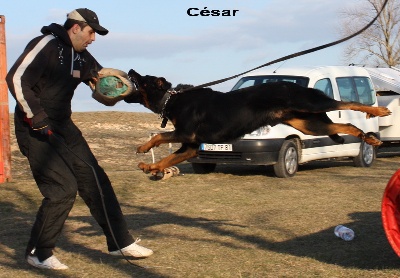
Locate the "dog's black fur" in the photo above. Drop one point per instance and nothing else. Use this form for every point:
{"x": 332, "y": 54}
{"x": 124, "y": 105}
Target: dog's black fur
{"x": 207, "y": 116}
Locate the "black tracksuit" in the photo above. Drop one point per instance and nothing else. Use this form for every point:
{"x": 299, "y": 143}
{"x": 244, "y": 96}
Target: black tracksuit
{"x": 42, "y": 81}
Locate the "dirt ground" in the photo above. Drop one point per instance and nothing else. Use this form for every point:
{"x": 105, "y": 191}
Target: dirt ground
{"x": 240, "y": 221}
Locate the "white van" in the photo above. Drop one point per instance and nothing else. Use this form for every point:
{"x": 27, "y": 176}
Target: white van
{"x": 285, "y": 147}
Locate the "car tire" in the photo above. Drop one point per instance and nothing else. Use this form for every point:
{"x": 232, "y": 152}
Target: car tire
{"x": 288, "y": 160}
{"x": 366, "y": 157}
{"x": 203, "y": 168}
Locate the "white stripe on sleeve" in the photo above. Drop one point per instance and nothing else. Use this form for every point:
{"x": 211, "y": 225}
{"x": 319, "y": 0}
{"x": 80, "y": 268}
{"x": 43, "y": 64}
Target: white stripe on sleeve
{"x": 20, "y": 71}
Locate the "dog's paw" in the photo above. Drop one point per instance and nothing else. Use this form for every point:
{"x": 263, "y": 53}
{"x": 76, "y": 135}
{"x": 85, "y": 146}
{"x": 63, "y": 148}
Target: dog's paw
{"x": 147, "y": 168}
{"x": 372, "y": 140}
{"x": 382, "y": 111}
{"x": 144, "y": 167}
{"x": 142, "y": 149}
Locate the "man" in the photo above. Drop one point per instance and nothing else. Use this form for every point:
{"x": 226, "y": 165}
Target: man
{"x": 42, "y": 81}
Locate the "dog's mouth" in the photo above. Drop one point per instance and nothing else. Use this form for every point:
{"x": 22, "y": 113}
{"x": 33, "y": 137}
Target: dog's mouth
{"x": 134, "y": 82}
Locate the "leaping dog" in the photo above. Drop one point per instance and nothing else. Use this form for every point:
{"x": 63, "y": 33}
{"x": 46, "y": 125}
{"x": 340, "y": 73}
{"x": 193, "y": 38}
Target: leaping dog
{"x": 204, "y": 115}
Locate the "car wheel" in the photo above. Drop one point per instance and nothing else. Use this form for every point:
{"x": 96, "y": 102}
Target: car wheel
{"x": 366, "y": 157}
{"x": 288, "y": 160}
{"x": 203, "y": 168}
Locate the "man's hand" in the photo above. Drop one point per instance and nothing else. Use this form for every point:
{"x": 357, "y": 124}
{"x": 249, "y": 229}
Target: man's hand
{"x": 42, "y": 127}
{"x": 92, "y": 84}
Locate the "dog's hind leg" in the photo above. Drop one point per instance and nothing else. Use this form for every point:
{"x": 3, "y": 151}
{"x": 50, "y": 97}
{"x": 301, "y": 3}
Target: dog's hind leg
{"x": 337, "y": 138}
{"x": 372, "y": 111}
{"x": 184, "y": 153}
{"x": 315, "y": 127}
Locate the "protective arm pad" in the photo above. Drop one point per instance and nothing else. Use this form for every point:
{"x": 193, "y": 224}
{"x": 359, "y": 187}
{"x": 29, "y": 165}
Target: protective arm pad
{"x": 109, "y": 95}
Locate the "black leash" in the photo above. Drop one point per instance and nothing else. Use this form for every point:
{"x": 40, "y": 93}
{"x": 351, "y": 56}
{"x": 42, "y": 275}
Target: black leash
{"x": 291, "y": 56}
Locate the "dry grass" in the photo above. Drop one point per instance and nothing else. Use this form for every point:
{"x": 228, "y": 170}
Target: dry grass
{"x": 237, "y": 222}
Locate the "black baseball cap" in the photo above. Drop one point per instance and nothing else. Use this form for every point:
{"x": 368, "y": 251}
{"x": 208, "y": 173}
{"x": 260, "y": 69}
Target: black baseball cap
{"x": 89, "y": 17}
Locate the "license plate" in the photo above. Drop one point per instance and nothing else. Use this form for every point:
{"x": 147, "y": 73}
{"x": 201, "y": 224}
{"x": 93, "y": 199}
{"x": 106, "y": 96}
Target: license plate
{"x": 216, "y": 147}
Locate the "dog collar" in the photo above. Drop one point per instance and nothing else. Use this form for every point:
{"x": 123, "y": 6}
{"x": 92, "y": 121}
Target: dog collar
{"x": 164, "y": 101}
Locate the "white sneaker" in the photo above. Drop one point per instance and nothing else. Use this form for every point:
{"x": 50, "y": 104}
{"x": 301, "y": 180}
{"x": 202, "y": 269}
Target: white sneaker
{"x": 133, "y": 250}
{"x": 49, "y": 263}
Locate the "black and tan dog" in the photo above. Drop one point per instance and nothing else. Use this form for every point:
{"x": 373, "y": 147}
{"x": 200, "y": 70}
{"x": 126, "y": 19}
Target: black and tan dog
{"x": 206, "y": 116}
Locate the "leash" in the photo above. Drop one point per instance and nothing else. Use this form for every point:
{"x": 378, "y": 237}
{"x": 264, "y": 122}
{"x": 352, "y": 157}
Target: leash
{"x": 170, "y": 92}
{"x": 297, "y": 54}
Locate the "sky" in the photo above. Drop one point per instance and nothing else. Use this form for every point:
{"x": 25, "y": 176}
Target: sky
{"x": 158, "y": 37}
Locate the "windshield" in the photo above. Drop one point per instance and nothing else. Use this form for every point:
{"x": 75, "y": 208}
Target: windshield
{"x": 249, "y": 81}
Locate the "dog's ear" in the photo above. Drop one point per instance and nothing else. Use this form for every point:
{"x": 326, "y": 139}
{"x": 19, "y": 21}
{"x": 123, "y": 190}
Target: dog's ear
{"x": 163, "y": 84}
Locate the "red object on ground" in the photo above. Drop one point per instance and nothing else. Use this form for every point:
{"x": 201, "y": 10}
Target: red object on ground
{"x": 391, "y": 212}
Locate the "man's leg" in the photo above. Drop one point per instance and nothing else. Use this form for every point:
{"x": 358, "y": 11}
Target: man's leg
{"x": 83, "y": 161}
{"x": 58, "y": 186}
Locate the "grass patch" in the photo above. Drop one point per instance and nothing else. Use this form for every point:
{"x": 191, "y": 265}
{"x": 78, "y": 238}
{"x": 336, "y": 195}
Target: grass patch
{"x": 237, "y": 222}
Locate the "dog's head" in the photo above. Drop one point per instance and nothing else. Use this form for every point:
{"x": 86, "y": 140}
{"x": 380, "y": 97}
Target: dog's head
{"x": 150, "y": 90}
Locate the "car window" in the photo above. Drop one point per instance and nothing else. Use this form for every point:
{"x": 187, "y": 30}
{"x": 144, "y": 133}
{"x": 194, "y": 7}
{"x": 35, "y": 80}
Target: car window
{"x": 366, "y": 93}
{"x": 249, "y": 81}
{"x": 347, "y": 90}
{"x": 357, "y": 89}
{"x": 325, "y": 86}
